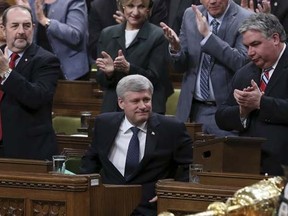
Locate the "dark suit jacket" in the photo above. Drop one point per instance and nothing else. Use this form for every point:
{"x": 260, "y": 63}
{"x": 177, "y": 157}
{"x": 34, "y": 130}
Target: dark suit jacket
{"x": 146, "y": 57}
{"x": 167, "y": 146}
{"x": 271, "y": 121}
{"x": 26, "y": 106}
{"x": 101, "y": 16}
{"x": 280, "y": 9}
{"x": 176, "y": 12}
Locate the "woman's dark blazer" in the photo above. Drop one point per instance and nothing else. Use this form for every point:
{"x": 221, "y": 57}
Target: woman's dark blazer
{"x": 147, "y": 57}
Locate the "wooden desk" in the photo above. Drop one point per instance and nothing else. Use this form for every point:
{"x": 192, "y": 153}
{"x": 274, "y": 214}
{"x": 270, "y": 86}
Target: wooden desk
{"x": 188, "y": 198}
{"x": 229, "y": 154}
{"x": 47, "y": 193}
{"x": 55, "y": 194}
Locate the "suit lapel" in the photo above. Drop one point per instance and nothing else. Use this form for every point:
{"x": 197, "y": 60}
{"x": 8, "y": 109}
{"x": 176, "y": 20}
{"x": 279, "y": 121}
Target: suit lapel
{"x": 119, "y": 36}
{"x": 108, "y": 143}
{"x": 115, "y": 125}
{"x": 151, "y": 139}
{"x": 26, "y": 58}
{"x": 279, "y": 71}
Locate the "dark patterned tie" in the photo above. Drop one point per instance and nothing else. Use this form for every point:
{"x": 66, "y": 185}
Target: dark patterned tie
{"x": 264, "y": 78}
{"x": 13, "y": 59}
{"x": 205, "y": 69}
{"x": 133, "y": 153}
{"x": 12, "y": 63}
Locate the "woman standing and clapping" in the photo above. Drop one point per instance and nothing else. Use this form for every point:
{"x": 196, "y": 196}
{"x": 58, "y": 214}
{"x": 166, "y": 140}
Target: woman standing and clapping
{"x": 133, "y": 47}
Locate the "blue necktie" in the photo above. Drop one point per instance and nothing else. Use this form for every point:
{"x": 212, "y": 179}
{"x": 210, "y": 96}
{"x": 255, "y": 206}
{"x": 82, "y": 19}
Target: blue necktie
{"x": 133, "y": 153}
{"x": 205, "y": 69}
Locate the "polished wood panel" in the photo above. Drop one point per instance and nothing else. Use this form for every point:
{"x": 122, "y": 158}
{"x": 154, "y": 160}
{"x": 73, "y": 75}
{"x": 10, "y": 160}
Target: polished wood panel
{"x": 115, "y": 199}
{"x": 56, "y": 194}
{"x": 44, "y": 194}
{"x": 188, "y": 198}
{"x": 21, "y": 165}
{"x": 73, "y": 142}
{"x": 194, "y": 129}
{"x": 229, "y": 154}
{"x": 73, "y": 97}
{"x": 183, "y": 198}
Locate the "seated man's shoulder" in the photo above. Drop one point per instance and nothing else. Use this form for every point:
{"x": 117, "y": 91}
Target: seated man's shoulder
{"x": 168, "y": 119}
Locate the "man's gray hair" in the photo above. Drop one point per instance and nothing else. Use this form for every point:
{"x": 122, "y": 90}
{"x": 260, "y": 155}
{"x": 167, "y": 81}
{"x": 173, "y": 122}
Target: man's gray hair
{"x": 133, "y": 83}
{"x": 266, "y": 23}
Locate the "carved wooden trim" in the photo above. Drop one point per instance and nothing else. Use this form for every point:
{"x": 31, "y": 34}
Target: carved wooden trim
{"x": 43, "y": 186}
{"x": 12, "y": 206}
{"x": 55, "y": 208}
{"x": 188, "y": 196}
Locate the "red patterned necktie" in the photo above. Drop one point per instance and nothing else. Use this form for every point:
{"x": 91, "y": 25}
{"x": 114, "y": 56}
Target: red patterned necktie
{"x": 12, "y": 63}
{"x": 264, "y": 78}
{"x": 13, "y": 59}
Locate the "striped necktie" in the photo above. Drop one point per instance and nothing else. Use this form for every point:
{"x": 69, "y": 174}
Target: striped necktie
{"x": 205, "y": 69}
{"x": 264, "y": 78}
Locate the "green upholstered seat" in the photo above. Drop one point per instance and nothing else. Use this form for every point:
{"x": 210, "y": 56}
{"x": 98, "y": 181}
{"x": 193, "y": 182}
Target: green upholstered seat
{"x": 66, "y": 124}
{"x": 72, "y": 164}
{"x": 172, "y": 101}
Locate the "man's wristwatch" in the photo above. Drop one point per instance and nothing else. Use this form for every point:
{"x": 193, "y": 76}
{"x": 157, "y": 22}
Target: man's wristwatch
{"x": 5, "y": 75}
{"x": 47, "y": 24}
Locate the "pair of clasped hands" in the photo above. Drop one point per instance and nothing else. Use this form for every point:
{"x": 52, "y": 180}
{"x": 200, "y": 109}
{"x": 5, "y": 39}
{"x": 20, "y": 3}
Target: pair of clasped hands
{"x": 106, "y": 63}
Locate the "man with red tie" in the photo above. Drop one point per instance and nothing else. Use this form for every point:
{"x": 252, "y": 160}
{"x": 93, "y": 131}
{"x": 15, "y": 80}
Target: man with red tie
{"x": 258, "y": 103}
{"x": 28, "y": 77}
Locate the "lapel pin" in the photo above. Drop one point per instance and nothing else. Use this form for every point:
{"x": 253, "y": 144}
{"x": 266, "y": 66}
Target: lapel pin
{"x": 152, "y": 133}
{"x": 26, "y": 60}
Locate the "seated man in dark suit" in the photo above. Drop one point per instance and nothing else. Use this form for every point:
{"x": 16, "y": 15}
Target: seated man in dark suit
{"x": 29, "y": 77}
{"x": 163, "y": 144}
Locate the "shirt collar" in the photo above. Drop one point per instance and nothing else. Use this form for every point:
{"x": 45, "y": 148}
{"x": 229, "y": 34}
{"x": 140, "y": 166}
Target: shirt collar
{"x": 126, "y": 125}
{"x": 10, "y": 53}
{"x": 280, "y": 55}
